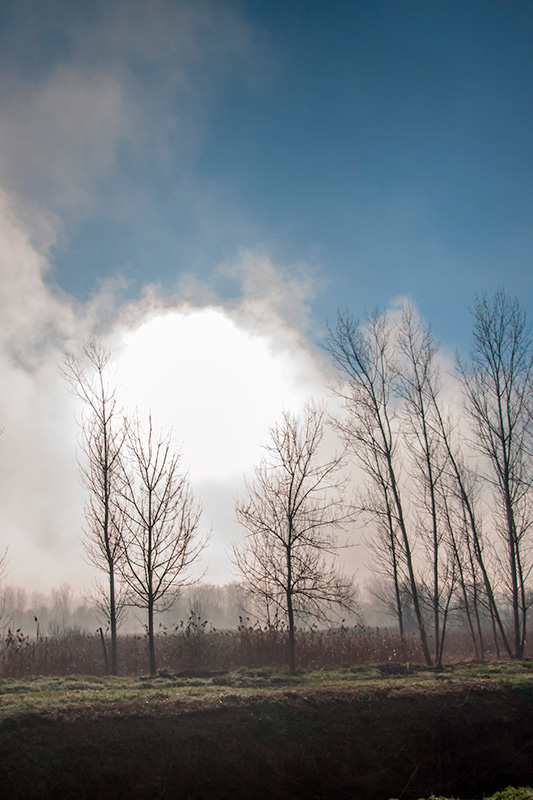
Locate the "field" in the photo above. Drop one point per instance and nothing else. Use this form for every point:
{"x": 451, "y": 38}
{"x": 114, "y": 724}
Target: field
{"x": 365, "y": 732}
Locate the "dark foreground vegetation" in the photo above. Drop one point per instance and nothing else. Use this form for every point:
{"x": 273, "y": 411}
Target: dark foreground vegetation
{"x": 367, "y": 732}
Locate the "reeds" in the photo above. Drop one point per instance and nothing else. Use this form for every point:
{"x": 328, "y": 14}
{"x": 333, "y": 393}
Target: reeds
{"x": 201, "y": 648}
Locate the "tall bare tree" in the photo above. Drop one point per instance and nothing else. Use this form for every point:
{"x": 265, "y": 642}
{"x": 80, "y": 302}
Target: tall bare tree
{"x": 418, "y": 386}
{"x": 498, "y": 386}
{"x": 161, "y": 518}
{"x": 462, "y": 487}
{"x": 365, "y": 356}
{"x": 294, "y": 508}
{"x": 376, "y": 505}
{"x": 102, "y": 439}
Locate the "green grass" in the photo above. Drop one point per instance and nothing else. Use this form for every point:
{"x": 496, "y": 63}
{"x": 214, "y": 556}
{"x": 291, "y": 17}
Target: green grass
{"x": 78, "y": 695}
{"x": 343, "y": 733}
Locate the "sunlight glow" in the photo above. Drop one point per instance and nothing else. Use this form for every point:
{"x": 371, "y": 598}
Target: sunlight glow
{"x": 216, "y": 384}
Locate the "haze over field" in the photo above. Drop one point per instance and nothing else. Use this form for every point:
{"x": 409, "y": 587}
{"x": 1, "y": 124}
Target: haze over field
{"x": 203, "y": 184}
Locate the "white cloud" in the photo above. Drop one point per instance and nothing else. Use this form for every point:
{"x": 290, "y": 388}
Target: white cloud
{"x": 132, "y": 82}
{"x": 31, "y": 316}
{"x": 268, "y": 293}
{"x": 216, "y": 383}
{"x": 220, "y": 386}
{"x": 39, "y": 501}
{"x": 218, "y": 375}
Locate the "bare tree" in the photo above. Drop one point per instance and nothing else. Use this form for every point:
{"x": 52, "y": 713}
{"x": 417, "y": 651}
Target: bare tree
{"x": 366, "y": 358}
{"x": 418, "y": 386}
{"x": 462, "y": 489}
{"x": 160, "y": 531}
{"x": 102, "y": 438}
{"x": 376, "y": 505}
{"x": 466, "y": 570}
{"x": 498, "y": 386}
{"x": 294, "y": 508}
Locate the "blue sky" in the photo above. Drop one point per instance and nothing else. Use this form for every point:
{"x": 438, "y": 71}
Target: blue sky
{"x": 385, "y": 145}
{"x": 204, "y": 183}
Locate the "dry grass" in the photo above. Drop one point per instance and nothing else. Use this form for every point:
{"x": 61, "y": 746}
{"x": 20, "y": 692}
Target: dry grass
{"x": 250, "y": 646}
{"x": 189, "y": 648}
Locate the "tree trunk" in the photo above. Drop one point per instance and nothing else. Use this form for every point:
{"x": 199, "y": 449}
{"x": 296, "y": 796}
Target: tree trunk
{"x": 410, "y": 568}
{"x": 398, "y": 597}
{"x": 151, "y": 637}
{"x": 292, "y": 639}
{"x": 113, "y": 622}
{"x": 290, "y": 616}
{"x": 513, "y": 548}
{"x": 104, "y": 648}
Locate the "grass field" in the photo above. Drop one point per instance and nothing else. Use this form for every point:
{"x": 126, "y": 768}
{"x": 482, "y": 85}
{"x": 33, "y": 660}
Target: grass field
{"x": 362, "y": 732}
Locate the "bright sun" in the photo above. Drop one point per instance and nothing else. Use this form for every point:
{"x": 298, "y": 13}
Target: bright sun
{"x": 217, "y": 384}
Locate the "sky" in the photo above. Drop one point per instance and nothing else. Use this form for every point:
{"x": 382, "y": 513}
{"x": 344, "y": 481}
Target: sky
{"x": 204, "y": 184}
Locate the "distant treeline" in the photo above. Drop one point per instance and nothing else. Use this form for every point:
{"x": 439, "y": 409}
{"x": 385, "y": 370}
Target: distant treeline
{"x": 62, "y": 612}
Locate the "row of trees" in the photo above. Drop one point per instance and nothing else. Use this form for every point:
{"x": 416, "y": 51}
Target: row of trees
{"x": 445, "y": 494}
{"x": 142, "y": 521}
{"x": 62, "y": 612}
{"x": 448, "y": 530}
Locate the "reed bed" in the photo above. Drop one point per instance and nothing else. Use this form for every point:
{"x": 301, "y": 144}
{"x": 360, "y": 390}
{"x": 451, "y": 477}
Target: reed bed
{"x": 199, "y": 648}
